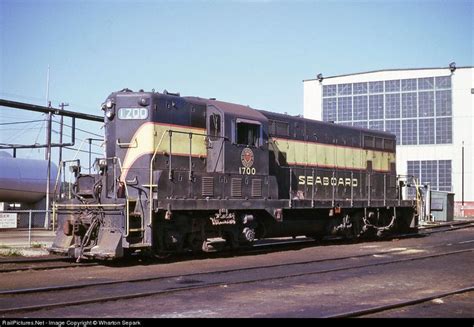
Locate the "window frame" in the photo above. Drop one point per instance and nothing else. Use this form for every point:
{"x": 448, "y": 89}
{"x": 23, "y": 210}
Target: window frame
{"x": 259, "y": 140}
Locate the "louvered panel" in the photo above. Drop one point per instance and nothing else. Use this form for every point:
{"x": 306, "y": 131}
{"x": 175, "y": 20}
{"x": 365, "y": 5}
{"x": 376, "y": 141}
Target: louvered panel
{"x": 208, "y": 186}
{"x": 236, "y": 187}
{"x": 256, "y": 188}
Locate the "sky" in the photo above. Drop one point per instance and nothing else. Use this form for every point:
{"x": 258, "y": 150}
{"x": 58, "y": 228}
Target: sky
{"x": 255, "y": 53}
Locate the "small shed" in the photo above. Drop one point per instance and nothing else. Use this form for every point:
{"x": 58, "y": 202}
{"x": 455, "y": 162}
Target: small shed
{"x": 442, "y": 206}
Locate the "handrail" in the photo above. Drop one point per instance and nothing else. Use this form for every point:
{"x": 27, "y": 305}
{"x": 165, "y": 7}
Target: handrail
{"x": 127, "y": 144}
{"x": 127, "y": 201}
{"x": 150, "y": 196}
{"x": 155, "y": 152}
{"x": 58, "y": 176}
{"x": 87, "y": 205}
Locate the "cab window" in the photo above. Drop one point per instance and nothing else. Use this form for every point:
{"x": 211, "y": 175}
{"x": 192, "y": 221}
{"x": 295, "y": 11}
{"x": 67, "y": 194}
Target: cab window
{"x": 214, "y": 127}
{"x": 247, "y": 134}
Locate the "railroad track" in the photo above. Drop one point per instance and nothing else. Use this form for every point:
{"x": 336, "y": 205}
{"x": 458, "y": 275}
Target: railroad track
{"x": 27, "y": 300}
{"x": 50, "y": 262}
{"x": 36, "y": 264}
{"x": 48, "y": 266}
{"x": 398, "y": 305}
{"x": 446, "y": 228}
{"x": 33, "y": 260}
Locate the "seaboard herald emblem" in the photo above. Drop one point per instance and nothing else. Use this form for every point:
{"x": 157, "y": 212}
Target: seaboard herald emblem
{"x": 247, "y": 158}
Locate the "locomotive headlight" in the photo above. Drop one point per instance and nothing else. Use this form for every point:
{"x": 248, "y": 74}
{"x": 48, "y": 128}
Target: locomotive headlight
{"x": 109, "y": 108}
{"x": 109, "y": 113}
{"x": 75, "y": 167}
{"x": 101, "y": 165}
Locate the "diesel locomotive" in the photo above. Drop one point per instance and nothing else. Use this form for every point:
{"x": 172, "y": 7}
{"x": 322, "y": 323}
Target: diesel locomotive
{"x": 194, "y": 174}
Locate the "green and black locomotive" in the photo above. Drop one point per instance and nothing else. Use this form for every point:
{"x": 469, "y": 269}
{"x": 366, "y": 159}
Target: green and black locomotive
{"x": 194, "y": 174}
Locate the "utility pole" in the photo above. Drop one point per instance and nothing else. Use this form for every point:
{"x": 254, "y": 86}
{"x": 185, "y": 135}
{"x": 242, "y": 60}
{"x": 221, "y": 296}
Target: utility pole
{"x": 48, "y": 173}
{"x": 462, "y": 175}
{"x": 48, "y": 133}
{"x": 47, "y": 88}
{"x": 48, "y": 104}
{"x": 47, "y": 153}
{"x": 60, "y": 165}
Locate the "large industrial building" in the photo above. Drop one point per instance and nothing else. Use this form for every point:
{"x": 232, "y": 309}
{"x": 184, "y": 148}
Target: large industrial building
{"x": 431, "y": 110}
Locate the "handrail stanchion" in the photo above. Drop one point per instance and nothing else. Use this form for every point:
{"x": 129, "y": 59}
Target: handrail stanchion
{"x": 29, "y": 229}
{"x": 150, "y": 196}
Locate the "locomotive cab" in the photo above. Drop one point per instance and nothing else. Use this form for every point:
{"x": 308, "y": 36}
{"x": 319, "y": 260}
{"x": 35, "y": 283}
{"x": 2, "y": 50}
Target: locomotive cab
{"x": 237, "y": 140}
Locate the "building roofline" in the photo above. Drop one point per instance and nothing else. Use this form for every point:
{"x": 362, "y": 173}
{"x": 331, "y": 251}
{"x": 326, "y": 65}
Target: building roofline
{"x": 384, "y": 70}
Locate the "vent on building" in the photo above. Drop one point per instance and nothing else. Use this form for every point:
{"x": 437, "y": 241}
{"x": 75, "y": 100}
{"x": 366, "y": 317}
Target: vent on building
{"x": 208, "y": 186}
{"x": 236, "y": 187}
{"x": 256, "y": 188}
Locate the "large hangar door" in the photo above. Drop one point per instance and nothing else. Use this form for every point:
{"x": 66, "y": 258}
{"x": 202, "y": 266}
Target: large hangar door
{"x": 215, "y": 143}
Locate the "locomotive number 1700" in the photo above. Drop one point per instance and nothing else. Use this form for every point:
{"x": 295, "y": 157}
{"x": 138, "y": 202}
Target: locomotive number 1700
{"x": 247, "y": 170}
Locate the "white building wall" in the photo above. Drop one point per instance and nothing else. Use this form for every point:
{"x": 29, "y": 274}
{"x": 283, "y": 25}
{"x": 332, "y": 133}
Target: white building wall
{"x": 462, "y": 86}
{"x": 312, "y": 102}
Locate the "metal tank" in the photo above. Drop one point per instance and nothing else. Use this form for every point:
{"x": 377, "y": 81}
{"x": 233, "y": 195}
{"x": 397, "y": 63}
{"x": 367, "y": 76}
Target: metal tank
{"x": 24, "y": 180}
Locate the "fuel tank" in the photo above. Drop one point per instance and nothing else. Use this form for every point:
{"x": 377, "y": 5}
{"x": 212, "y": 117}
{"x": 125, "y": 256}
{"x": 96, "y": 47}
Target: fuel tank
{"x": 24, "y": 180}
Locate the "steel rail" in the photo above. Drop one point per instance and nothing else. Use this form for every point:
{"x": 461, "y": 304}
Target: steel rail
{"x": 364, "y": 312}
{"x": 187, "y": 288}
{"x": 255, "y": 249}
{"x": 71, "y": 265}
{"x": 32, "y": 260}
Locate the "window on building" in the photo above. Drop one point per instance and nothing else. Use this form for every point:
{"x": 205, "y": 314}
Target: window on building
{"x": 426, "y": 83}
{"x": 443, "y": 103}
{"x": 392, "y": 105}
{"x": 409, "y": 105}
{"x": 429, "y": 173}
{"x": 393, "y": 126}
{"x": 426, "y": 104}
{"x": 427, "y": 131}
{"x": 376, "y": 87}
{"x": 409, "y": 132}
{"x": 436, "y": 173}
{"x": 344, "y": 109}
{"x": 413, "y": 169}
{"x": 360, "y": 107}
{"x": 376, "y": 106}
{"x": 360, "y": 88}
{"x": 409, "y": 84}
{"x": 329, "y": 90}
{"x": 417, "y": 109}
{"x": 444, "y": 132}
{"x": 443, "y": 82}
{"x": 330, "y": 109}
{"x": 392, "y": 86}
{"x": 376, "y": 124}
{"x": 344, "y": 89}
{"x": 444, "y": 175}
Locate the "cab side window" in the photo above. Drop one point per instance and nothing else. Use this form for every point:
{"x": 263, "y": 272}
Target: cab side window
{"x": 247, "y": 134}
{"x": 214, "y": 127}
